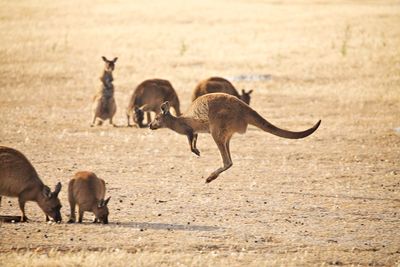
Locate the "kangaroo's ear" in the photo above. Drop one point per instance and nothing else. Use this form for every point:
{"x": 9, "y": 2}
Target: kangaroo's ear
{"x": 104, "y": 59}
{"x": 106, "y": 201}
{"x": 57, "y": 189}
{"x": 165, "y": 107}
{"x": 46, "y": 191}
{"x": 249, "y": 92}
{"x": 100, "y": 203}
{"x": 243, "y": 92}
{"x": 115, "y": 59}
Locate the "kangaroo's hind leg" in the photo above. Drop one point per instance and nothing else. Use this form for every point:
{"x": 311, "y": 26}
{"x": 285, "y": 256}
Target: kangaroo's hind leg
{"x": 112, "y": 110}
{"x": 223, "y": 146}
{"x": 80, "y": 218}
{"x": 93, "y": 121}
{"x": 21, "y": 203}
{"x": 72, "y": 217}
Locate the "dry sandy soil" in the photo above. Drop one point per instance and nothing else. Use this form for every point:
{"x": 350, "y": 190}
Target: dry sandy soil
{"x": 330, "y": 199}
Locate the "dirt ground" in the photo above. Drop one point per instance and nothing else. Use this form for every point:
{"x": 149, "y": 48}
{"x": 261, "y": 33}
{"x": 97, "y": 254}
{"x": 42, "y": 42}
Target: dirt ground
{"x": 330, "y": 199}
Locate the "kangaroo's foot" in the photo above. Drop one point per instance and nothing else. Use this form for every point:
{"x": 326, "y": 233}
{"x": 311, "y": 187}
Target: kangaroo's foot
{"x": 143, "y": 125}
{"x": 216, "y": 173}
{"x": 71, "y": 220}
{"x": 24, "y": 219}
{"x": 211, "y": 178}
{"x": 195, "y": 151}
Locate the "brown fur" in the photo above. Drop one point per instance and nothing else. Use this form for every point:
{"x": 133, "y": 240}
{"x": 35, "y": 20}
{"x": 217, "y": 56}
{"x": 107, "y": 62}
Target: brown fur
{"x": 219, "y": 85}
{"x": 222, "y": 115}
{"x": 104, "y": 106}
{"x": 87, "y": 191}
{"x": 18, "y": 178}
{"x": 148, "y": 97}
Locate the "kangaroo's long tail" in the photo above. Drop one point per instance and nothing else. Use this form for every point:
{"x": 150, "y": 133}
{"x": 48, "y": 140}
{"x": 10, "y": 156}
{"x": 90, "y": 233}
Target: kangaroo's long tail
{"x": 255, "y": 119}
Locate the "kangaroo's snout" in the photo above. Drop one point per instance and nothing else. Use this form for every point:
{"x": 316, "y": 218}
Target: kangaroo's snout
{"x": 57, "y": 217}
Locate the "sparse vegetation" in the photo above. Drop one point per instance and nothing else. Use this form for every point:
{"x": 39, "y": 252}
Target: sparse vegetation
{"x": 346, "y": 39}
{"x": 183, "y": 48}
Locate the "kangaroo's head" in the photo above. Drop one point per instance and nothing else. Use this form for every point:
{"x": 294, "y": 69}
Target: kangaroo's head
{"x": 101, "y": 211}
{"x": 48, "y": 201}
{"x": 110, "y": 64}
{"x": 138, "y": 116}
{"x": 163, "y": 118}
{"x": 245, "y": 96}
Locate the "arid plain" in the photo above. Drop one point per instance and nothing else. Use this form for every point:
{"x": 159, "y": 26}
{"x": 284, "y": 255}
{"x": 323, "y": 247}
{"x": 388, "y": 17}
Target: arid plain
{"x": 330, "y": 199}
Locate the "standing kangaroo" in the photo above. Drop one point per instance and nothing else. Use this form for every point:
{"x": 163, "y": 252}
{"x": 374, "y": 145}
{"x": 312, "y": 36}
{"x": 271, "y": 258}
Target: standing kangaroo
{"x": 222, "y": 115}
{"x": 18, "y": 178}
{"x": 87, "y": 191}
{"x": 148, "y": 96}
{"x": 219, "y": 85}
{"x": 104, "y": 106}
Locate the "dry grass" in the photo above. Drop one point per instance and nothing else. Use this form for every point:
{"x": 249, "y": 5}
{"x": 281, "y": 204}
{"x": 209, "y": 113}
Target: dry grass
{"x": 123, "y": 258}
{"x": 329, "y": 199}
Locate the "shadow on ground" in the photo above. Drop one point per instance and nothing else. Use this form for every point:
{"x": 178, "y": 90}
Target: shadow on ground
{"x": 167, "y": 226}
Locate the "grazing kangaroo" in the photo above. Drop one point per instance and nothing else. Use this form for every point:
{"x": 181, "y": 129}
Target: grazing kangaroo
{"x": 219, "y": 85}
{"x": 148, "y": 96}
{"x": 104, "y": 106}
{"x": 18, "y": 178}
{"x": 87, "y": 191}
{"x": 222, "y": 115}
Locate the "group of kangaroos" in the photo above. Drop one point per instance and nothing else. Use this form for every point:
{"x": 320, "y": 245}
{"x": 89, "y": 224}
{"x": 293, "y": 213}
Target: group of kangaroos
{"x": 217, "y": 108}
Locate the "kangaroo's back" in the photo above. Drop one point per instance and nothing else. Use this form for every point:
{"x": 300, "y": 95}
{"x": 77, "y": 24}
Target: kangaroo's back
{"x": 16, "y": 172}
{"x": 214, "y": 85}
{"x": 153, "y": 93}
{"x": 86, "y": 188}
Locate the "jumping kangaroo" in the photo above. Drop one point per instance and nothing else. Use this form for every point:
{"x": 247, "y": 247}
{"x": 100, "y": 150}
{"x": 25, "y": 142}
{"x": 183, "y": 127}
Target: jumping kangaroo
{"x": 219, "y": 85}
{"x": 104, "y": 106}
{"x": 148, "y": 96}
{"x": 18, "y": 178}
{"x": 222, "y": 115}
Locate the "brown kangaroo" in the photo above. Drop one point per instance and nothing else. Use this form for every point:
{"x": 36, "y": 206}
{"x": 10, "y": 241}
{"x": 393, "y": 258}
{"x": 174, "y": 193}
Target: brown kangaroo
{"x": 18, "y": 178}
{"x": 219, "y": 85}
{"x": 87, "y": 191}
{"x": 104, "y": 106}
{"x": 222, "y": 115}
{"x": 148, "y": 96}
